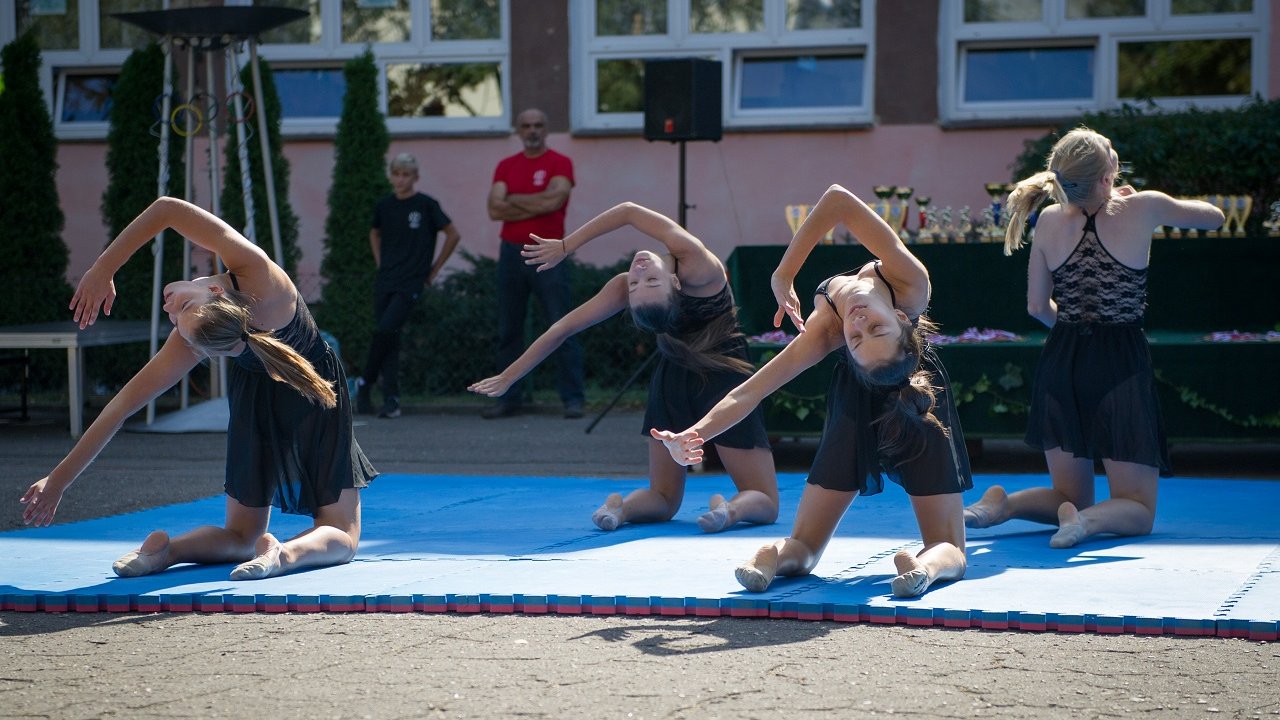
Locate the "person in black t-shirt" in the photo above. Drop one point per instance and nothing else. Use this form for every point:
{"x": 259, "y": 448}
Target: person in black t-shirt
{"x": 406, "y": 224}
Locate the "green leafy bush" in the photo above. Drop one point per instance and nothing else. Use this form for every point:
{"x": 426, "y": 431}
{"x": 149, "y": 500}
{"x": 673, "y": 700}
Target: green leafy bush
{"x": 1193, "y": 152}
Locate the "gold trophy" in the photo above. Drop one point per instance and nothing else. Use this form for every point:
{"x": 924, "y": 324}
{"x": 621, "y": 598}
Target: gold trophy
{"x": 901, "y": 210}
{"x": 796, "y": 215}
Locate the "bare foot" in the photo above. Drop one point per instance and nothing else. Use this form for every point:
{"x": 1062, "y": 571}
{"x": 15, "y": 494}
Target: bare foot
{"x": 609, "y": 515}
{"x": 912, "y": 579}
{"x": 1070, "y": 527}
{"x": 759, "y": 571}
{"x": 266, "y": 561}
{"x": 992, "y": 509}
{"x": 152, "y": 557}
{"x": 718, "y": 518}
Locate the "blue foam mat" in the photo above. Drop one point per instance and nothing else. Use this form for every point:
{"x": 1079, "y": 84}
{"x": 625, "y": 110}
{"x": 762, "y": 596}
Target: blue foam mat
{"x": 526, "y": 544}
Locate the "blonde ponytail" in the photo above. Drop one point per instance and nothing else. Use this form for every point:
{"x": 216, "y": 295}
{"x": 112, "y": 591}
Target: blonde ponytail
{"x": 1077, "y": 162}
{"x": 225, "y": 323}
{"x": 1027, "y": 195}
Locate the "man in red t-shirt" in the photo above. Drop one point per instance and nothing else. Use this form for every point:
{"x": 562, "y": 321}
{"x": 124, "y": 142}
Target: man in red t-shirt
{"x": 529, "y": 195}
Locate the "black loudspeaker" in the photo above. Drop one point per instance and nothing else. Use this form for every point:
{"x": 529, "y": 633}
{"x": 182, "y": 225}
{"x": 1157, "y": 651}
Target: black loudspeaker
{"x": 682, "y": 99}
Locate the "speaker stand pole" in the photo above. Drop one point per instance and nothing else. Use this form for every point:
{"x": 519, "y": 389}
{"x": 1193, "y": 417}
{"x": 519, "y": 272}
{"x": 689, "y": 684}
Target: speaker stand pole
{"x": 684, "y": 207}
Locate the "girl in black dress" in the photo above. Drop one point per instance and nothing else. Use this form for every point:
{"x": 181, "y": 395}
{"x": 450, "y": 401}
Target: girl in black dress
{"x": 889, "y": 407}
{"x": 1095, "y": 395}
{"x": 289, "y": 442}
{"x": 684, "y": 298}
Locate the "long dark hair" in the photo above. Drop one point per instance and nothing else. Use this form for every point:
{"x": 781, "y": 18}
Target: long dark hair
{"x": 908, "y": 409}
{"x": 701, "y": 350}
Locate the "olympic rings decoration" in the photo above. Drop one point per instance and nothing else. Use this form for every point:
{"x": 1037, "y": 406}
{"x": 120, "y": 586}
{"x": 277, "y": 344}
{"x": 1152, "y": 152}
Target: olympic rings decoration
{"x": 247, "y": 107}
{"x": 210, "y": 106}
{"x": 180, "y": 128}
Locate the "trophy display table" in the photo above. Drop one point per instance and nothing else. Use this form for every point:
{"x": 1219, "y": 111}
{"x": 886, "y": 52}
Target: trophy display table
{"x": 69, "y": 335}
{"x": 1209, "y": 390}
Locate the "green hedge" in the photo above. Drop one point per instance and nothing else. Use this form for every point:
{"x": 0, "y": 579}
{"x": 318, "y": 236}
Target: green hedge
{"x": 1193, "y": 152}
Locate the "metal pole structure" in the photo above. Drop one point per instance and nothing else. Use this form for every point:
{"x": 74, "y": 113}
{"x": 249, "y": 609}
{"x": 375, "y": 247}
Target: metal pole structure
{"x": 162, "y": 189}
{"x": 264, "y": 142}
{"x": 242, "y": 143}
{"x": 218, "y": 373}
{"x": 184, "y": 386}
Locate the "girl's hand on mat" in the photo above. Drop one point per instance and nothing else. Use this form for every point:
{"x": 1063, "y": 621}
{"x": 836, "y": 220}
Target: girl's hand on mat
{"x": 546, "y": 253}
{"x": 41, "y": 500}
{"x": 97, "y": 289}
{"x": 493, "y": 386}
{"x": 784, "y": 292}
{"x": 685, "y": 447}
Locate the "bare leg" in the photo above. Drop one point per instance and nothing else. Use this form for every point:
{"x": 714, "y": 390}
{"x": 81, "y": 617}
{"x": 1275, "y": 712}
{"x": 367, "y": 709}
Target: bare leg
{"x": 1130, "y": 511}
{"x": 816, "y": 520}
{"x": 1072, "y": 482}
{"x": 992, "y": 509}
{"x": 941, "y": 520}
{"x": 656, "y": 503}
{"x": 208, "y": 544}
{"x": 332, "y": 540}
{"x": 757, "y": 498}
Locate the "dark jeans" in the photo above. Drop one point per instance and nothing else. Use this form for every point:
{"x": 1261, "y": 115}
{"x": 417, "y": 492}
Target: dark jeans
{"x": 390, "y": 313}
{"x": 516, "y": 281}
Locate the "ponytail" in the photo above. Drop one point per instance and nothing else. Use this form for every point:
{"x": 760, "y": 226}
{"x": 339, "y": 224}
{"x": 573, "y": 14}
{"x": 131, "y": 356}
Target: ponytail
{"x": 908, "y": 409}
{"x": 907, "y": 416}
{"x": 1025, "y": 198}
{"x": 225, "y": 323}
{"x": 1077, "y": 162}
{"x": 286, "y": 365}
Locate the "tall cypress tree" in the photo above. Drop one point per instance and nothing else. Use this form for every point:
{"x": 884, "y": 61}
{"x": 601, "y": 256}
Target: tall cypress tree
{"x": 132, "y": 173}
{"x": 359, "y": 179}
{"x": 33, "y": 258}
{"x": 233, "y": 192}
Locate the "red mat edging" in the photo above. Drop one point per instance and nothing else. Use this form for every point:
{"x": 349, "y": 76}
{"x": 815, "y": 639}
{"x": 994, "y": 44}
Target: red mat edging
{"x": 909, "y": 615}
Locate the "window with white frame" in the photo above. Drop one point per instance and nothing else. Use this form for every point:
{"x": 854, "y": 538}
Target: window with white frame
{"x": 1004, "y": 59}
{"x": 785, "y": 62}
{"x": 442, "y": 63}
{"x": 82, "y": 45}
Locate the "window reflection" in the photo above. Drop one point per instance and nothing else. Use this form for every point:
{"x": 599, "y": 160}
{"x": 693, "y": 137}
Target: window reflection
{"x": 453, "y": 90}
{"x": 310, "y": 92}
{"x": 87, "y": 98}
{"x": 375, "y": 21}
{"x": 1204, "y": 7}
{"x": 56, "y": 23}
{"x": 1184, "y": 68}
{"x": 631, "y": 17}
{"x": 806, "y": 81}
{"x": 466, "y": 20}
{"x": 823, "y": 14}
{"x": 1016, "y": 74}
{"x": 620, "y": 86}
{"x": 306, "y": 31}
{"x": 1084, "y": 9}
{"x": 113, "y": 33}
{"x": 726, "y": 16}
{"x": 978, "y": 11}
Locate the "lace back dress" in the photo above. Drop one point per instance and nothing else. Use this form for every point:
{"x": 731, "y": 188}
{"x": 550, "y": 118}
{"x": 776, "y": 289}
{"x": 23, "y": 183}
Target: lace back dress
{"x": 1094, "y": 394}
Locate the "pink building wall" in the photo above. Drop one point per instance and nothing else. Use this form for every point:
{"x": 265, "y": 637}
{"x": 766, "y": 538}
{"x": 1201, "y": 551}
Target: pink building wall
{"x": 740, "y": 185}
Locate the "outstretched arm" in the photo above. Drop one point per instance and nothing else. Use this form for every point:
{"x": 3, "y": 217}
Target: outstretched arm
{"x": 97, "y": 287}
{"x": 611, "y": 300}
{"x": 174, "y": 360}
{"x": 698, "y": 265}
{"x": 807, "y": 350}
{"x": 1180, "y": 212}
{"x": 839, "y": 206}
